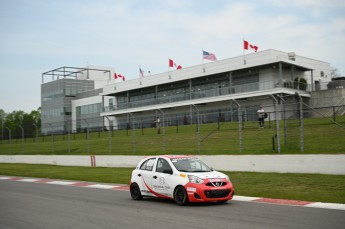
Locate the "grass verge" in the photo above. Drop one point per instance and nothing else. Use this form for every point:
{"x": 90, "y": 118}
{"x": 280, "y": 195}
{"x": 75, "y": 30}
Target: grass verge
{"x": 307, "y": 187}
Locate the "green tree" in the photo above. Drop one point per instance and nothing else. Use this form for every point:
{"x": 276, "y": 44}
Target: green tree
{"x": 15, "y": 119}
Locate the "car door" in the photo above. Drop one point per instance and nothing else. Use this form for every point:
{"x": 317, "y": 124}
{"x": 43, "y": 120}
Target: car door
{"x": 161, "y": 182}
{"x": 146, "y": 176}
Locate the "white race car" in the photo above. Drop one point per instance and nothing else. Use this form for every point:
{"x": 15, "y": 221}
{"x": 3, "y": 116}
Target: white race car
{"x": 182, "y": 178}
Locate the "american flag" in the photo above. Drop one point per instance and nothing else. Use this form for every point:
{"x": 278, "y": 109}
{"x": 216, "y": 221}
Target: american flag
{"x": 141, "y": 72}
{"x": 208, "y": 56}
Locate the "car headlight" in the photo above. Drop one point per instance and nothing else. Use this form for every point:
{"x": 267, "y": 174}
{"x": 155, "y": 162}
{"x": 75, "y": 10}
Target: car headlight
{"x": 195, "y": 179}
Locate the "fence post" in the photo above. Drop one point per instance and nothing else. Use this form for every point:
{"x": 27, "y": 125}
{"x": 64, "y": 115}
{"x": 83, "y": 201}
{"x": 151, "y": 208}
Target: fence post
{"x": 163, "y": 127}
{"x": 69, "y": 140}
{"x": 277, "y": 122}
{"x": 284, "y": 119}
{"x": 22, "y": 137}
{"x": 9, "y": 139}
{"x": 133, "y": 133}
{"x": 2, "y": 128}
{"x": 52, "y": 137}
{"x": 87, "y": 136}
{"x": 110, "y": 134}
{"x": 300, "y": 106}
{"x": 198, "y": 125}
{"x": 239, "y": 124}
{"x": 36, "y": 137}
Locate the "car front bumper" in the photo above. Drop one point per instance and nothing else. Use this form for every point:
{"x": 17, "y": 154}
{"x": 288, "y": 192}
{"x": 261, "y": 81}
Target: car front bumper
{"x": 203, "y": 193}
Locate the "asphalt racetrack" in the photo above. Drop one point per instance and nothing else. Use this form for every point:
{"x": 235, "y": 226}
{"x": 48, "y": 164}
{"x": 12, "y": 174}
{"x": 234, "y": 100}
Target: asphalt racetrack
{"x": 38, "y": 205}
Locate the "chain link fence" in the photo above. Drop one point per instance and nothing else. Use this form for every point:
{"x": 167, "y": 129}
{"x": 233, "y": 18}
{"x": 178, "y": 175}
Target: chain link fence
{"x": 290, "y": 127}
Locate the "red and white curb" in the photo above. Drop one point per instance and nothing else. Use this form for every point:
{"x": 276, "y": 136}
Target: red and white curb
{"x": 300, "y": 203}
{"x": 126, "y": 188}
{"x": 67, "y": 183}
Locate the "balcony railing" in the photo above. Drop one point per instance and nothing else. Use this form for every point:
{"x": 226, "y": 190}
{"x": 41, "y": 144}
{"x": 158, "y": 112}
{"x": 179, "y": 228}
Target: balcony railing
{"x": 208, "y": 93}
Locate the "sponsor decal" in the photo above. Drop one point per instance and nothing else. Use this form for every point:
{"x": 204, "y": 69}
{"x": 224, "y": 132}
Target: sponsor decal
{"x": 161, "y": 187}
{"x": 215, "y": 180}
{"x": 183, "y": 175}
{"x": 162, "y": 180}
{"x": 191, "y": 189}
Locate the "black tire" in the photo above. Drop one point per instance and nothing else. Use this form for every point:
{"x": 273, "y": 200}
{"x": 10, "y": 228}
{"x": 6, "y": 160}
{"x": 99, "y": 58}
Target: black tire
{"x": 135, "y": 192}
{"x": 181, "y": 196}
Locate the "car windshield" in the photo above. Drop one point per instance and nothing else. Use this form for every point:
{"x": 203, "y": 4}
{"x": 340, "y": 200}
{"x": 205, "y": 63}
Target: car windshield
{"x": 190, "y": 165}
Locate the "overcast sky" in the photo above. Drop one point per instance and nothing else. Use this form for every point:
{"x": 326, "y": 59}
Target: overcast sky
{"x": 41, "y": 35}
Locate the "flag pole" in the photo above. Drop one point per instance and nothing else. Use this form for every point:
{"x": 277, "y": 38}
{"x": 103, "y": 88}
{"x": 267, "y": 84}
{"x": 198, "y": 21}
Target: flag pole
{"x": 244, "y": 56}
{"x": 169, "y": 67}
{"x": 203, "y": 61}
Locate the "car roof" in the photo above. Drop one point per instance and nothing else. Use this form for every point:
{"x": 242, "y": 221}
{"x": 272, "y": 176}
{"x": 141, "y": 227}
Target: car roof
{"x": 171, "y": 156}
{"x": 176, "y": 156}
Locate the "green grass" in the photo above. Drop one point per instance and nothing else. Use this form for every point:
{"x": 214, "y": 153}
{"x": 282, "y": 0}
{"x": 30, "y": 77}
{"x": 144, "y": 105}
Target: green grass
{"x": 320, "y": 136}
{"x": 93, "y": 174}
{"x": 307, "y": 187}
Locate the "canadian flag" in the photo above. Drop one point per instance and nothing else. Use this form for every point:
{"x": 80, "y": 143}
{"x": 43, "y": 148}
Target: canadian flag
{"x": 119, "y": 76}
{"x": 173, "y": 64}
{"x": 246, "y": 46}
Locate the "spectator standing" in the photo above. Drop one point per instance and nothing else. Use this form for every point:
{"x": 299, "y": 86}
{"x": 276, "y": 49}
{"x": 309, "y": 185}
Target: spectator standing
{"x": 261, "y": 117}
{"x": 157, "y": 121}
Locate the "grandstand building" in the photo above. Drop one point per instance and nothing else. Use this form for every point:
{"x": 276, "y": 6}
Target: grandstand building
{"x": 78, "y": 98}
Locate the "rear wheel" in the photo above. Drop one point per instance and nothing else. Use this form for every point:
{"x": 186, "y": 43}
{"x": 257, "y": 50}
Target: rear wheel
{"x": 180, "y": 196}
{"x": 135, "y": 192}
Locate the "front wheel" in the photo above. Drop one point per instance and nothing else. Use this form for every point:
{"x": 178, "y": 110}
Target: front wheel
{"x": 180, "y": 196}
{"x": 135, "y": 192}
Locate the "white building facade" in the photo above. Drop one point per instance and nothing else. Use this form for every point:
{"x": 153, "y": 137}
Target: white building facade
{"x": 215, "y": 87}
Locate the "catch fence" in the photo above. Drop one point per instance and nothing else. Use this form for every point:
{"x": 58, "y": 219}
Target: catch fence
{"x": 292, "y": 127}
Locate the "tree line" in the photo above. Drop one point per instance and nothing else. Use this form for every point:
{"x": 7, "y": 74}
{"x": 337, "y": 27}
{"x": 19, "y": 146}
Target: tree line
{"x": 17, "y": 122}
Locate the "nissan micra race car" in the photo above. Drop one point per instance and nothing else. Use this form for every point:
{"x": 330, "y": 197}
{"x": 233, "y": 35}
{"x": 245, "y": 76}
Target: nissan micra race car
{"x": 182, "y": 178}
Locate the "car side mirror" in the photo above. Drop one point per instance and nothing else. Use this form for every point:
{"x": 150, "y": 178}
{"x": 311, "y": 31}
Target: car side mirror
{"x": 168, "y": 171}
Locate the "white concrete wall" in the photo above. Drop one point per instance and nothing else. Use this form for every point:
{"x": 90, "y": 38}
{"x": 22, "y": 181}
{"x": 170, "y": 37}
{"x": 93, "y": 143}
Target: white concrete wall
{"x": 322, "y": 164}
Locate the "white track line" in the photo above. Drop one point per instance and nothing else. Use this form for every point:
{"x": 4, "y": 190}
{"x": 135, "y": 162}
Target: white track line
{"x": 101, "y": 186}
{"x": 61, "y": 182}
{"x": 326, "y": 205}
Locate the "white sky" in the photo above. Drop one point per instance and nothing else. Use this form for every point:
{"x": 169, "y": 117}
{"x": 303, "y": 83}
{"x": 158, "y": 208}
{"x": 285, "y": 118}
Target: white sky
{"x": 40, "y": 35}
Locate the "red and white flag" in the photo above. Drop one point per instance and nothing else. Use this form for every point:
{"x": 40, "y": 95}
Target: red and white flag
{"x": 119, "y": 76}
{"x": 247, "y": 45}
{"x": 172, "y": 64}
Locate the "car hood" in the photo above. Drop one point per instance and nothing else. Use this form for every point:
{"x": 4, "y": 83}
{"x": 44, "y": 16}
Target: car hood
{"x": 208, "y": 175}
